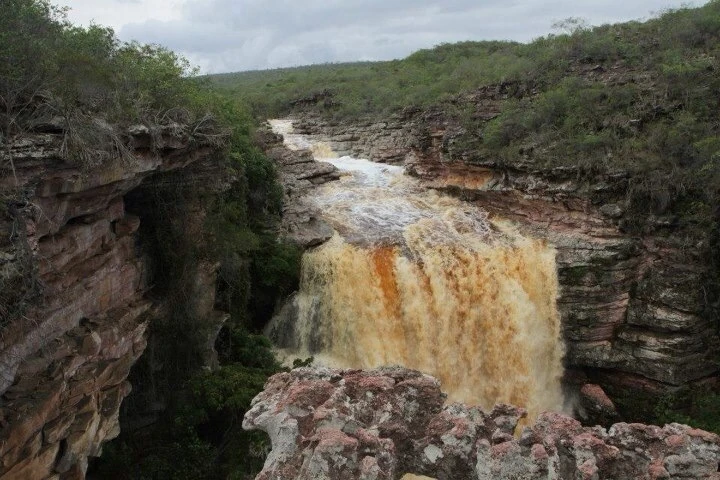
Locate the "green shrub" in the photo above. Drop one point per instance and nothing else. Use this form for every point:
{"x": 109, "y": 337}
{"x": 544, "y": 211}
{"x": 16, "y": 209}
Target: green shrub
{"x": 50, "y": 69}
{"x": 200, "y": 436}
{"x": 699, "y": 408}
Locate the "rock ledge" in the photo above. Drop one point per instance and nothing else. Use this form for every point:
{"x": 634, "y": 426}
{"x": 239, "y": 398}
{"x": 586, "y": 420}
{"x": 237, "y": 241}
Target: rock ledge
{"x": 381, "y": 424}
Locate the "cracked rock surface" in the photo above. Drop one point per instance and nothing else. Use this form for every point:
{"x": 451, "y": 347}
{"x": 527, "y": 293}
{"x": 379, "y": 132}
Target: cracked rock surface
{"x": 384, "y": 423}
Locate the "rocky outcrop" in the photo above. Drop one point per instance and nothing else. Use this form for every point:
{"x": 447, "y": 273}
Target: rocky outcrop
{"x": 382, "y": 141}
{"x": 384, "y": 423}
{"x": 637, "y": 310}
{"x": 75, "y": 321}
{"x": 298, "y": 172}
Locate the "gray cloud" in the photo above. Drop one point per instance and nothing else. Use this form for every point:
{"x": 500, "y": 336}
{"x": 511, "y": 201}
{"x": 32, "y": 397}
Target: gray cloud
{"x": 232, "y": 35}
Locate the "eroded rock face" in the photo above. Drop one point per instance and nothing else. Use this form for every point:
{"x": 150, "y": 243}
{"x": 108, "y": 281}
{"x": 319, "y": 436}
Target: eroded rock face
{"x": 299, "y": 172}
{"x": 64, "y": 363}
{"x": 384, "y": 423}
{"x": 382, "y": 141}
{"x": 637, "y": 310}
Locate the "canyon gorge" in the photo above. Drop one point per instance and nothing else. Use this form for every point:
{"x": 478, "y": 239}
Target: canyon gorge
{"x": 485, "y": 260}
{"x": 596, "y": 319}
{"x": 622, "y": 324}
{"x": 421, "y": 279}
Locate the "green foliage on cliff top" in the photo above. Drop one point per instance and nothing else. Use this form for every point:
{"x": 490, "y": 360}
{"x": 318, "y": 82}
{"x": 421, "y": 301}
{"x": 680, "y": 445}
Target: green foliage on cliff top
{"x": 675, "y": 47}
{"x": 86, "y": 83}
{"x": 44, "y": 58}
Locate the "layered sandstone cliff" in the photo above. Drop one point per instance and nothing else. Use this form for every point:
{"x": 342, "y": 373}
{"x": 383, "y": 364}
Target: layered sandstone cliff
{"x": 638, "y": 313}
{"x": 75, "y": 277}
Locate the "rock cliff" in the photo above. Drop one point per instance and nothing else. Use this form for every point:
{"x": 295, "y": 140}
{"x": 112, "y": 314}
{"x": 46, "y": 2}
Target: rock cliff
{"x": 299, "y": 173}
{"x": 385, "y": 423}
{"x": 75, "y": 284}
{"x": 639, "y": 314}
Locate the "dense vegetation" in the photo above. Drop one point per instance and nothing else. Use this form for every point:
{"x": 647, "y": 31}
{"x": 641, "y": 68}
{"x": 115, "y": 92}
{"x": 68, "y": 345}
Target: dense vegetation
{"x": 87, "y": 87}
{"x": 82, "y": 79}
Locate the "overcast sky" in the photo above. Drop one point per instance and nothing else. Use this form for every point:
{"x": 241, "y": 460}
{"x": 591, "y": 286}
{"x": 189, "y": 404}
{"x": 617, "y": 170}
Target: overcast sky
{"x": 234, "y": 35}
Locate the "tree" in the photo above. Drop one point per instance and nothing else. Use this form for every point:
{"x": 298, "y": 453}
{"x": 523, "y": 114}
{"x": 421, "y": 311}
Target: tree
{"x": 30, "y": 31}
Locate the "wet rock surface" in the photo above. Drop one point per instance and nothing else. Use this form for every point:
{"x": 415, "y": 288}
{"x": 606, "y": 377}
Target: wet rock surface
{"x": 381, "y": 141}
{"x": 384, "y": 423}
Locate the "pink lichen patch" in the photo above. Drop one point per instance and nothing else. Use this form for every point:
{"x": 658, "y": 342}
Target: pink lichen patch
{"x": 501, "y": 449}
{"x": 334, "y": 439}
{"x": 676, "y": 441}
{"x": 588, "y": 470}
{"x": 357, "y": 384}
{"x": 557, "y": 424}
{"x": 375, "y": 384}
{"x": 378, "y": 437}
{"x": 703, "y": 435}
{"x": 460, "y": 428}
{"x": 307, "y": 395}
{"x": 657, "y": 470}
{"x": 595, "y": 394}
{"x": 367, "y": 438}
{"x": 538, "y": 452}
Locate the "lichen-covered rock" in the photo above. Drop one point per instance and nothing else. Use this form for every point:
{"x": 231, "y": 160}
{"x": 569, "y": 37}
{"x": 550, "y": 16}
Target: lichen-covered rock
{"x": 595, "y": 406}
{"x": 384, "y": 423}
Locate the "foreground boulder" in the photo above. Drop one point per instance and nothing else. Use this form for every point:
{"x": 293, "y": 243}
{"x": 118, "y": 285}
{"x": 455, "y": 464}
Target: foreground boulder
{"x": 384, "y": 423}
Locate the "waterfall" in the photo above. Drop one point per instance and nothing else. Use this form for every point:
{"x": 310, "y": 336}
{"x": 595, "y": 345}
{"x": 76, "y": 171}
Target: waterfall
{"x": 420, "y": 279}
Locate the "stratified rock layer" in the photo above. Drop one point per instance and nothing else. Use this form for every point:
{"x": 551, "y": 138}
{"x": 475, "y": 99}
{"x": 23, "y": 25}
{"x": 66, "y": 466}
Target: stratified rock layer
{"x": 299, "y": 172}
{"x": 64, "y": 362}
{"x": 384, "y": 423}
